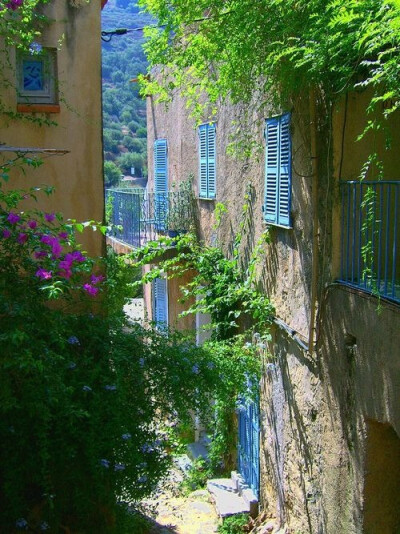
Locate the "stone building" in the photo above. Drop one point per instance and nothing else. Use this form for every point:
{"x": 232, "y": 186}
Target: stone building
{"x": 329, "y": 432}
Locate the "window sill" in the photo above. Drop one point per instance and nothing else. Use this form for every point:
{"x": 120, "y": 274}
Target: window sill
{"x": 278, "y": 225}
{"x": 206, "y": 198}
{"x": 38, "y": 108}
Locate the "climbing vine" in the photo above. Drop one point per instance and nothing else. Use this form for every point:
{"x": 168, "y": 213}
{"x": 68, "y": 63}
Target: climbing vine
{"x": 235, "y": 49}
{"x": 240, "y": 315}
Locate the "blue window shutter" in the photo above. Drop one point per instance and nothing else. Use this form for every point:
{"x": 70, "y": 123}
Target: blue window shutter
{"x": 203, "y": 179}
{"x": 211, "y": 156}
{"x": 285, "y": 172}
{"x": 160, "y": 302}
{"x": 160, "y": 183}
{"x": 160, "y": 166}
{"x": 278, "y": 171}
{"x": 271, "y": 171}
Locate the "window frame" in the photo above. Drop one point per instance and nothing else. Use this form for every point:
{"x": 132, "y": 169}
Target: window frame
{"x": 160, "y": 183}
{"x": 278, "y": 171}
{"x": 160, "y": 325}
{"x": 207, "y": 133}
{"x": 48, "y": 96}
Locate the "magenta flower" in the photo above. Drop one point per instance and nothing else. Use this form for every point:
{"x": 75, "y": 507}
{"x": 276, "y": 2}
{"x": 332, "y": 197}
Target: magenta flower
{"x": 65, "y": 264}
{"x": 46, "y": 239}
{"x": 40, "y": 254}
{"x": 43, "y": 274}
{"x": 13, "y": 218}
{"x": 22, "y": 238}
{"x": 49, "y": 217}
{"x": 32, "y": 224}
{"x": 6, "y": 233}
{"x": 90, "y": 290}
{"x": 96, "y": 279}
{"x": 54, "y": 243}
{"x": 63, "y": 235}
{"x": 77, "y": 255}
{"x": 65, "y": 273}
{"x": 14, "y": 4}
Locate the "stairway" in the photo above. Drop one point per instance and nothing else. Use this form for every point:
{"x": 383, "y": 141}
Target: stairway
{"x": 232, "y": 496}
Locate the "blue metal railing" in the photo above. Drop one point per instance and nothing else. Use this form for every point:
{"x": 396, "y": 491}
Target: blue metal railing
{"x": 137, "y": 216}
{"x": 370, "y": 241}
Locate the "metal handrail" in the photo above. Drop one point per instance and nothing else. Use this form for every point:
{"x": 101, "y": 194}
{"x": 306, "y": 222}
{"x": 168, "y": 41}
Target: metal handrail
{"x": 138, "y": 216}
{"x": 370, "y": 236}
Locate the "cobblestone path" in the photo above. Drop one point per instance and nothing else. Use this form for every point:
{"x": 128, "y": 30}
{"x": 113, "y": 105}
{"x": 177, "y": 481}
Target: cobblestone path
{"x": 174, "y": 513}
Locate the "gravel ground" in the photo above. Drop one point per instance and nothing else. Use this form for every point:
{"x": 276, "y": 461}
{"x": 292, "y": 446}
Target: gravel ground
{"x": 175, "y": 513}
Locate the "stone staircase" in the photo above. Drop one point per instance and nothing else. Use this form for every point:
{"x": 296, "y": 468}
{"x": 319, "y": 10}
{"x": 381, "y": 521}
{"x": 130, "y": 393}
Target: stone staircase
{"x": 232, "y": 496}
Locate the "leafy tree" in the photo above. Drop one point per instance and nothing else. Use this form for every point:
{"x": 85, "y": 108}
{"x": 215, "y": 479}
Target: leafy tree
{"x": 238, "y": 48}
{"x": 130, "y": 159}
{"x": 112, "y": 173}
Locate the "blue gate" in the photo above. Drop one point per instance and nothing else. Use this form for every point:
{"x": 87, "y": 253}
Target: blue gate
{"x": 249, "y": 444}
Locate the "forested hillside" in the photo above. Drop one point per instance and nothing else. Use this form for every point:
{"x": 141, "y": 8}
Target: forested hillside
{"x": 124, "y": 112}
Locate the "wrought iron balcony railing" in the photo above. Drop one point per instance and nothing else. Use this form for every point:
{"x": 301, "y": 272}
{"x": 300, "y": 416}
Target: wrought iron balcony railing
{"x": 370, "y": 242}
{"x": 138, "y": 216}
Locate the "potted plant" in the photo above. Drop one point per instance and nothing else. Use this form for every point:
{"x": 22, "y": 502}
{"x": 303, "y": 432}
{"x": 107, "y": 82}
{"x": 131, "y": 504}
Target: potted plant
{"x": 180, "y": 215}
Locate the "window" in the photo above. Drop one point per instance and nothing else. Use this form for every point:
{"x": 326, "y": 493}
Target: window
{"x": 278, "y": 171}
{"x": 207, "y": 151}
{"x": 37, "y": 78}
{"x": 160, "y": 183}
{"x": 160, "y": 303}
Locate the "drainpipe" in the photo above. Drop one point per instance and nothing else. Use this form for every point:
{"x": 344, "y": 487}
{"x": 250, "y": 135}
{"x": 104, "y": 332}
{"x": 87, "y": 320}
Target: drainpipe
{"x": 314, "y": 202}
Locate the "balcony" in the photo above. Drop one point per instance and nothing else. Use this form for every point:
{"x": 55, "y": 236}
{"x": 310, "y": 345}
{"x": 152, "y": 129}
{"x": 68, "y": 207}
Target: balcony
{"x": 370, "y": 237}
{"x": 137, "y": 216}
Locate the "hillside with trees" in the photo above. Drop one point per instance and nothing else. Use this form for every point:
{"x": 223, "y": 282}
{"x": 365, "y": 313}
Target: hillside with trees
{"x": 124, "y": 111}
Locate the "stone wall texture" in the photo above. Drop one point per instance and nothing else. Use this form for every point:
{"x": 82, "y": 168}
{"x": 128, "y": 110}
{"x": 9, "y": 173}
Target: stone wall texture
{"x": 328, "y": 412}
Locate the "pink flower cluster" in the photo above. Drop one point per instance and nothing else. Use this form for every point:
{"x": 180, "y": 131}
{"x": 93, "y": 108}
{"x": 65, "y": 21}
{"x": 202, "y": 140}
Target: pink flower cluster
{"x": 90, "y": 288}
{"x": 66, "y": 264}
{"x": 51, "y": 248}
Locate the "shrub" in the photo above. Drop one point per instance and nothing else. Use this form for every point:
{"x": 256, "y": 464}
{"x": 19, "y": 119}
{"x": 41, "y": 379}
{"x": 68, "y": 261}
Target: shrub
{"x": 85, "y": 396}
{"x": 234, "y": 524}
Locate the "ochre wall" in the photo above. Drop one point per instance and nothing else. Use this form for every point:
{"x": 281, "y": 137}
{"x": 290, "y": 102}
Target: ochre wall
{"x": 76, "y": 176}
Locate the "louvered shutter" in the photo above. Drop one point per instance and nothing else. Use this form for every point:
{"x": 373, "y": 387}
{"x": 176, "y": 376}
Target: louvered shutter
{"x": 160, "y": 302}
{"x": 211, "y": 155}
{"x": 285, "y": 172}
{"x": 160, "y": 182}
{"x": 278, "y": 171}
{"x": 203, "y": 160}
{"x": 271, "y": 170}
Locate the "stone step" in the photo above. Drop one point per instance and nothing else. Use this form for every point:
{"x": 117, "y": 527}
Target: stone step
{"x": 197, "y": 450}
{"x": 227, "y": 500}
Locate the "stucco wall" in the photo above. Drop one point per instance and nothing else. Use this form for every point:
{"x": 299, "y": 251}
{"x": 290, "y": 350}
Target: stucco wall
{"x": 76, "y": 176}
{"x": 286, "y": 269}
{"x": 316, "y": 412}
{"x": 315, "y": 405}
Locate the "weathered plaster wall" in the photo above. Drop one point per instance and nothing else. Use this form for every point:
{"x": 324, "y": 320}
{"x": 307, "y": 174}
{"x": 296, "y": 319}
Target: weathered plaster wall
{"x": 76, "y": 176}
{"x": 286, "y": 269}
{"x": 175, "y": 307}
{"x": 314, "y": 405}
{"x": 360, "y": 361}
{"x": 317, "y": 414}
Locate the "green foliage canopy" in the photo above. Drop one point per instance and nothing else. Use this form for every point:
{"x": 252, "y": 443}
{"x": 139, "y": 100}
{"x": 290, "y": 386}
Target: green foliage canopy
{"x": 236, "y": 48}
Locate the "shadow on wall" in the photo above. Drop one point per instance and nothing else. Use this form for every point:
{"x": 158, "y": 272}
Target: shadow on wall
{"x": 382, "y": 480}
{"x": 360, "y": 355}
{"x": 289, "y": 436}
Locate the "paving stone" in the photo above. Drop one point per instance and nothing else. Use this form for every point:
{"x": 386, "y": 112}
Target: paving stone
{"x": 227, "y": 500}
